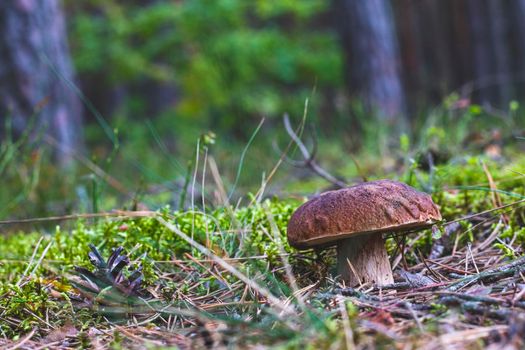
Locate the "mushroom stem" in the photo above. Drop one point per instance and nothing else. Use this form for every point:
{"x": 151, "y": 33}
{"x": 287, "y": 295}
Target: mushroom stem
{"x": 366, "y": 256}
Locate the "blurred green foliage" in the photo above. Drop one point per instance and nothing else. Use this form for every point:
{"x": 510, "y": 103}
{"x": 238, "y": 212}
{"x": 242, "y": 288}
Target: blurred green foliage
{"x": 233, "y": 60}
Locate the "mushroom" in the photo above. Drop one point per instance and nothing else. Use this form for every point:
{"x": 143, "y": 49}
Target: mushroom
{"x": 356, "y": 219}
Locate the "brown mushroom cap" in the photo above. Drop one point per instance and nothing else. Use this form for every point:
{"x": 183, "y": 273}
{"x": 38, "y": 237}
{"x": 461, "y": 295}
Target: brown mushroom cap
{"x": 377, "y": 206}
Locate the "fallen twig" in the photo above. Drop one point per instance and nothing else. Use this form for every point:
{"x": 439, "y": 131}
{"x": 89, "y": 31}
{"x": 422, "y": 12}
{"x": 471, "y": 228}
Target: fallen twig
{"x": 309, "y": 157}
{"x": 502, "y": 271}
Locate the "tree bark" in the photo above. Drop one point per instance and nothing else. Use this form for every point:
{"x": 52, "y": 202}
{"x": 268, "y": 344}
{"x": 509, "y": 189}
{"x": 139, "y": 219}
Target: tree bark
{"x": 412, "y": 55}
{"x": 370, "y": 43}
{"x": 517, "y": 36}
{"x": 500, "y": 50}
{"x": 36, "y": 73}
{"x": 480, "y": 35}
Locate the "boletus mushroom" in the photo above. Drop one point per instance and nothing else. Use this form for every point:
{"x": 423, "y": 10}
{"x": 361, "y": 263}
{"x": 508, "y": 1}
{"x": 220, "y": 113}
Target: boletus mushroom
{"x": 356, "y": 219}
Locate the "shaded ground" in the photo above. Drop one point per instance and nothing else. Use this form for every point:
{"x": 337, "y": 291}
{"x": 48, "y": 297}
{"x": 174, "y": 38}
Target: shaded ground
{"x": 227, "y": 277}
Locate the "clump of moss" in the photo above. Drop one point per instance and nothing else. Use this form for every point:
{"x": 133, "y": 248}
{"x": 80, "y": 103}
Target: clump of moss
{"x": 25, "y": 305}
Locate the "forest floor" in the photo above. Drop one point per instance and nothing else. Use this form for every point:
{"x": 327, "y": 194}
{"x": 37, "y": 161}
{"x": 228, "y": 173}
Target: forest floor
{"x": 227, "y": 278}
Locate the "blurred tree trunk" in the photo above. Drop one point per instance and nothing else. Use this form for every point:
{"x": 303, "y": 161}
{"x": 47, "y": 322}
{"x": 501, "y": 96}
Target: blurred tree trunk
{"x": 35, "y": 73}
{"x": 517, "y": 12}
{"x": 410, "y": 51}
{"x": 482, "y": 49}
{"x": 434, "y": 44}
{"x": 434, "y": 17}
{"x": 370, "y": 43}
{"x": 500, "y": 51}
{"x": 460, "y": 43}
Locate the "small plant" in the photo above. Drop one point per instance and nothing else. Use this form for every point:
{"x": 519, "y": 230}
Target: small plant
{"x": 114, "y": 287}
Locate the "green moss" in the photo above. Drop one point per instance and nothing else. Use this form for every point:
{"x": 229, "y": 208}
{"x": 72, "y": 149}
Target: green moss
{"x": 255, "y": 233}
{"x": 245, "y": 231}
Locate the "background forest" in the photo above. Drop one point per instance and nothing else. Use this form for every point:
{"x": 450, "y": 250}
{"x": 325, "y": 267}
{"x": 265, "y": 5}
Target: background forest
{"x": 140, "y": 82}
{"x": 131, "y": 86}
{"x": 152, "y": 153}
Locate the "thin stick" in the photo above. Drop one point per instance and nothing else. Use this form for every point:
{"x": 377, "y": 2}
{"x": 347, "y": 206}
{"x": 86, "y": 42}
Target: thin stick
{"x": 261, "y": 290}
{"x": 22, "y": 341}
{"x": 309, "y": 158}
{"x": 502, "y": 270}
{"x": 484, "y": 212}
{"x": 62, "y": 218}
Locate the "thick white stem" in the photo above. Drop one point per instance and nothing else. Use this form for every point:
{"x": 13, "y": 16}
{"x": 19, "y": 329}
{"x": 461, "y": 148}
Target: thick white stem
{"x": 364, "y": 259}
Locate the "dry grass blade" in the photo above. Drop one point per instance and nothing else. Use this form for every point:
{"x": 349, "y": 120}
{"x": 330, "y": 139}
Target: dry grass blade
{"x": 276, "y": 302}
{"x": 41, "y": 258}
{"x": 110, "y": 180}
{"x": 19, "y": 344}
{"x": 281, "y": 159}
{"x": 496, "y": 199}
{"x": 468, "y": 217}
{"x": 461, "y": 339}
{"x": 349, "y": 335}
{"x": 30, "y": 261}
{"x": 284, "y": 257}
{"x": 115, "y": 214}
